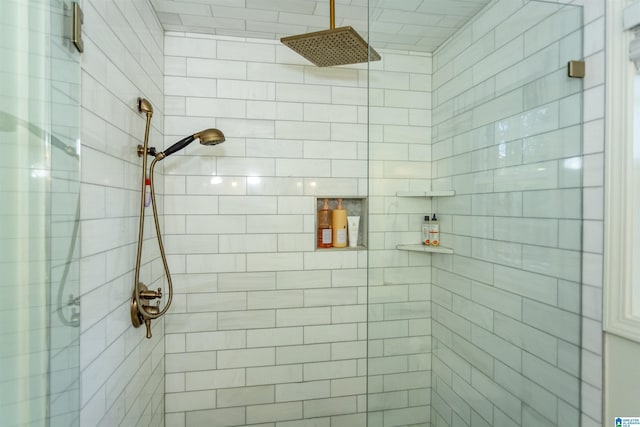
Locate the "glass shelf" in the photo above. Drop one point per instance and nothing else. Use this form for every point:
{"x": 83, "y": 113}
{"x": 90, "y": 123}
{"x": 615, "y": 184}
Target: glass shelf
{"x": 424, "y": 248}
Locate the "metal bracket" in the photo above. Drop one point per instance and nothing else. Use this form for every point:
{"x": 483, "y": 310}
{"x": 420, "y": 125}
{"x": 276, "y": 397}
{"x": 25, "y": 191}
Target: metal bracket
{"x": 76, "y": 32}
{"x": 576, "y": 69}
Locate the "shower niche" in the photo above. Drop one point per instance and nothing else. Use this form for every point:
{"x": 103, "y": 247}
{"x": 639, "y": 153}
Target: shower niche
{"x": 354, "y": 207}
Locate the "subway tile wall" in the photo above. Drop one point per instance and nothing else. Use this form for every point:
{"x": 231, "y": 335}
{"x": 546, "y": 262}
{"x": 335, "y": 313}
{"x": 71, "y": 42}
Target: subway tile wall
{"x": 506, "y": 313}
{"x": 399, "y": 310}
{"x": 265, "y": 328}
{"x": 122, "y": 373}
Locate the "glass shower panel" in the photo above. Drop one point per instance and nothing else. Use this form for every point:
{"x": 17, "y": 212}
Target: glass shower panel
{"x": 64, "y": 225}
{"x": 39, "y": 170}
{"x": 25, "y": 169}
{"x": 490, "y": 333}
{"x": 399, "y": 309}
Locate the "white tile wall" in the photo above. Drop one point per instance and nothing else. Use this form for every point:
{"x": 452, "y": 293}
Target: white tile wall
{"x": 122, "y": 373}
{"x": 512, "y": 334}
{"x": 273, "y": 329}
{"x": 399, "y": 291}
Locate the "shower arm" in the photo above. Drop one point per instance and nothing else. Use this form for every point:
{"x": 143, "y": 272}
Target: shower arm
{"x": 332, "y": 14}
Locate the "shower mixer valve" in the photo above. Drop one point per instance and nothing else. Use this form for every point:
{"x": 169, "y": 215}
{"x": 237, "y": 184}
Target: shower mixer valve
{"x": 138, "y": 312}
{"x": 147, "y": 294}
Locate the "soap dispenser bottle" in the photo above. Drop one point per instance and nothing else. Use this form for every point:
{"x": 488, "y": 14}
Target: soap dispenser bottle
{"x": 434, "y": 231}
{"x": 339, "y": 224}
{"x": 325, "y": 234}
{"x": 426, "y": 231}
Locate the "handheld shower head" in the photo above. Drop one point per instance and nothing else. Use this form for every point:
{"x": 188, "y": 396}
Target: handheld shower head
{"x": 207, "y": 137}
{"x": 210, "y": 137}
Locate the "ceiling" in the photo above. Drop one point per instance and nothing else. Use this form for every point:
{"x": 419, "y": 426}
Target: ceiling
{"x": 416, "y": 25}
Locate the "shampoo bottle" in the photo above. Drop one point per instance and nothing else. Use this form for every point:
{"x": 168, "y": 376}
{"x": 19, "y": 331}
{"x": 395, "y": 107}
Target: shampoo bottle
{"x": 426, "y": 238}
{"x": 434, "y": 231}
{"x": 339, "y": 224}
{"x": 324, "y": 226}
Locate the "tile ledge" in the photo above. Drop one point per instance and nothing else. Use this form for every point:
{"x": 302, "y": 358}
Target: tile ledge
{"x": 442, "y": 193}
{"x": 424, "y": 248}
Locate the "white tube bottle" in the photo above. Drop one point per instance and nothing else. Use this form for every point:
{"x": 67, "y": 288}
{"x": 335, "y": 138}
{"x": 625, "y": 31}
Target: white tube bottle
{"x": 353, "y": 228}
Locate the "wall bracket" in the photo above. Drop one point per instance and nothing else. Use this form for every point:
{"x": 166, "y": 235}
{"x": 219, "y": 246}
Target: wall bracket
{"x": 76, "y": 31}
{"x": 576, "y": 69}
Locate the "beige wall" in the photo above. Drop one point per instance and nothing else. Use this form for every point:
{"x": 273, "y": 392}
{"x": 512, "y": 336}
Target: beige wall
{"x": 621, "y": 378}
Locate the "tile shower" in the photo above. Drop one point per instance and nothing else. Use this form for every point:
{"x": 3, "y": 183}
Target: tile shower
{"x": 283, "y": 335}
{"x": 265, "y": 330}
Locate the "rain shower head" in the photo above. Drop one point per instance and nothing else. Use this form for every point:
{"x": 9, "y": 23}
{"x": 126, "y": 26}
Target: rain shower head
{"x": 207, "y": 137}
{"x": 336, "y": 46}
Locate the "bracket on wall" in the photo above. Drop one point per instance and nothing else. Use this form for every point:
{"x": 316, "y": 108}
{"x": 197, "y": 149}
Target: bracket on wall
{"x": 575, "y": 69}
{"x": 76, "y": 31}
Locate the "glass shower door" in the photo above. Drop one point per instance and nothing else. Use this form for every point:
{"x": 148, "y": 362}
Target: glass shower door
{"x": 64, "y": 222}
{"x": 487, "y": 334}
{"x": 39, "y": 171}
